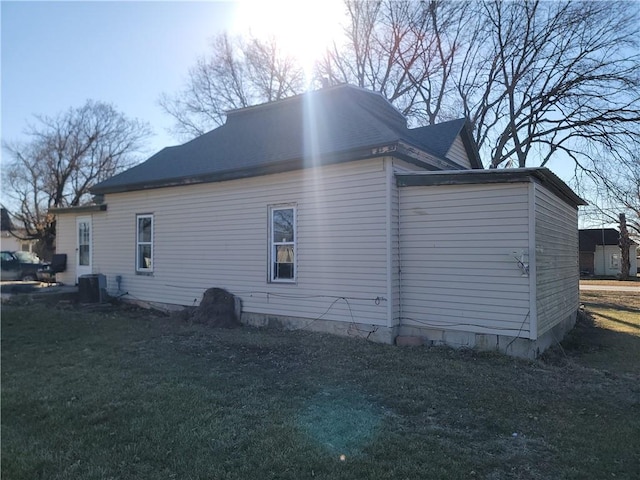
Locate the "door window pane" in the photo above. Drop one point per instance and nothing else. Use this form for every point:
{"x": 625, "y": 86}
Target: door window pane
{"x": 84, "y": 255}
{"x": 84, "y": 244}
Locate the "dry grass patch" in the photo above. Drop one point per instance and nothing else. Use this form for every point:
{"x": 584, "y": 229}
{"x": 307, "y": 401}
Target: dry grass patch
{"x": 608, "y": 334}
{"x": 632, "y": 282}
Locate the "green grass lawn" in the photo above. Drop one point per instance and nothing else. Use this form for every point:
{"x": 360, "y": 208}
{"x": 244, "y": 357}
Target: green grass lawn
{"x": 124, "y": 394}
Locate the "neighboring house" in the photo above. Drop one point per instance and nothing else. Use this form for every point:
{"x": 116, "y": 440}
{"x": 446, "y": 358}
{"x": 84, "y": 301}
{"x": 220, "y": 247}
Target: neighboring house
{"x": 13, "y": 239}
{"x": 324, "y": 211}
{"x": 600, "y": 252}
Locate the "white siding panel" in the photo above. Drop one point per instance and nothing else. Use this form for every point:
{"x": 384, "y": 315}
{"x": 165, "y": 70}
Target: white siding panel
{"x": 557, "y": 271}
{"x": 66, "y": 243}
{"x": 216, "y": 235}
{"x": 458, "y": 153}
{"x": 602, "y": 260}
{"x": 457, "y": 265}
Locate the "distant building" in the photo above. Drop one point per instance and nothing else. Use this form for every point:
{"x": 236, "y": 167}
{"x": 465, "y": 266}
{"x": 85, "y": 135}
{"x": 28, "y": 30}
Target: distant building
{"x": 12, "y": 238}
{"x": 600, "y": 253}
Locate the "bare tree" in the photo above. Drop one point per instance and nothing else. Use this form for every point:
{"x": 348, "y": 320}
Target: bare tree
{"x": 66, "y": 156}
{"x": 404, "y": 50}
{"x": 612, "y": 180}
{"x": 536, "y": 79}
{"x": 558, "y": 77}
{"x": 237, "y": 73}
{"x": 271, "y": 74}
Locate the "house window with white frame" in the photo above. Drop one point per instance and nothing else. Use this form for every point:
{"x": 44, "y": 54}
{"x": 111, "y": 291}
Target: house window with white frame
{"x": 144, "y": 243}
{"x": 282, "y": 244}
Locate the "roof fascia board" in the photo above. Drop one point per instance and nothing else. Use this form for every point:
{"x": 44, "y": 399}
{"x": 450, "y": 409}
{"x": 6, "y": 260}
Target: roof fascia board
{"x": 467, "y": 177}
{"x": 81, "y": 209}
{"x": 425, "y": 158}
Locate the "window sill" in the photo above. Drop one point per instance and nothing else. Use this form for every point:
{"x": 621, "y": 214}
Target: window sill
{"x": 144, "y": 274}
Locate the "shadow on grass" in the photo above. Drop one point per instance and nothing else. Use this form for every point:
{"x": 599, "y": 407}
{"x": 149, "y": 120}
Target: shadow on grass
{"x": 593, "y": 346}
{"x": 612, "y": 305}
{"x": 620, "y": 322}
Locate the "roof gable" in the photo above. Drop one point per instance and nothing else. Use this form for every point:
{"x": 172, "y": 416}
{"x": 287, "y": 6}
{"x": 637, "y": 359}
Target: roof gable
{"x": 341, "y": 123}
{"x": 441, "y": 136}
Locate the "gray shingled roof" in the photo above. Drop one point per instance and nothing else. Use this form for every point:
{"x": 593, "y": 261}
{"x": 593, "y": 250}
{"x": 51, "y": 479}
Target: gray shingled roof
{"x": 590, "y": 237}
{"x": 336, "y": 124}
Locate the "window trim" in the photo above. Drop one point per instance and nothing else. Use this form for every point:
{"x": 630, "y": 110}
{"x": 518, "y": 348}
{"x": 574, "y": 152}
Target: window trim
{"x": 272, "y": 245}
{"x": 139, "y": 217}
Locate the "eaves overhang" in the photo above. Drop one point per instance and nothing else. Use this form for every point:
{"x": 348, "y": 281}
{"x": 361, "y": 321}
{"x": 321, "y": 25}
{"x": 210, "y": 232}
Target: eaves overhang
{"x": 477, "y": 177}
{"x": 80, "y": 209}
{"x": 399, "y": 149}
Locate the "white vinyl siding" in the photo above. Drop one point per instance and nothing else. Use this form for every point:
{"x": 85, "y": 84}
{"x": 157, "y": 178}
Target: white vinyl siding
{"x": 557, "y": 271}
{"x": 457, "y": 265}
{"x": 458, "y": 153}
{"x": 66, "y": 232}
{"x": 216, "y": 235}
{"x": 603, "y": 260}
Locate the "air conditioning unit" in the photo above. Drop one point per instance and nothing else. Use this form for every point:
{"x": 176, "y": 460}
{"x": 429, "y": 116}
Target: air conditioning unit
{"x": 92, "y": 288}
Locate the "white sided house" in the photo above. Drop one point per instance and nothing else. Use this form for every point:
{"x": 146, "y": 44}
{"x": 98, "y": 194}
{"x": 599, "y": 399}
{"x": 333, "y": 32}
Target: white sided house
{"x": 324, "y": 211}
{"x": 600, "y": 253}
{"x": 11, "y": 238}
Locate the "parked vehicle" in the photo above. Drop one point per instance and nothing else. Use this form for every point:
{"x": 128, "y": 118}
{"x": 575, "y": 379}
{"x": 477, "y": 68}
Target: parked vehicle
{"x": 21, "y": 266}
{"x": 10, "y": 266}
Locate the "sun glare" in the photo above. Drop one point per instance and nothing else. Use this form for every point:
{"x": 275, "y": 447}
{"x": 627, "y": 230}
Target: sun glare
{"x": 304, "y": 29}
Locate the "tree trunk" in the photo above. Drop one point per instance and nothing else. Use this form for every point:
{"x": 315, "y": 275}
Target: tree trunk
{"x": 625, "y": 244}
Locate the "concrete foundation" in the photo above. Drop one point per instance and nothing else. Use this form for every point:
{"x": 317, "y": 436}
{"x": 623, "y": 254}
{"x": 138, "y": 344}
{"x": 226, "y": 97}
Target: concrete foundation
{"x": 375, "y": 333}
{"x": 513, "y": 346}
{"x": 405, "y": 335}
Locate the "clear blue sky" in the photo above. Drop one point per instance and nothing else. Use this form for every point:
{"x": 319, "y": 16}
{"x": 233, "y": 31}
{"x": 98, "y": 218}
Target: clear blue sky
{"x": 56, "y": 55}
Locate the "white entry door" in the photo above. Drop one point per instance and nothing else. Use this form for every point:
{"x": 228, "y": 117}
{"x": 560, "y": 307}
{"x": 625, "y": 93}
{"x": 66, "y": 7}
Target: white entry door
{"x": 83, "y": 249}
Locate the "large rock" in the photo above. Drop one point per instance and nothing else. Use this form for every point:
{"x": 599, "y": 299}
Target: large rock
{"x": 218, "y": 308}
